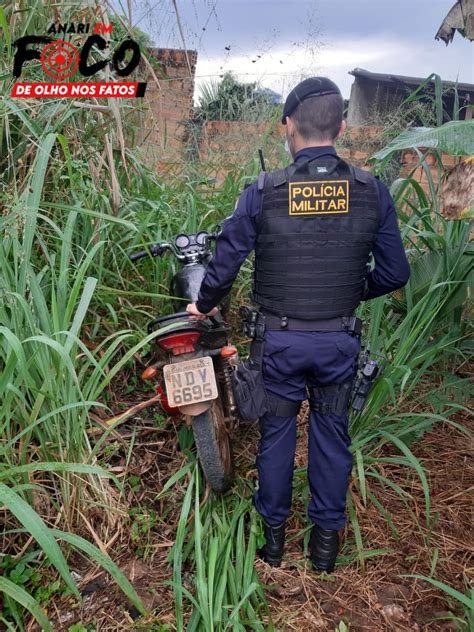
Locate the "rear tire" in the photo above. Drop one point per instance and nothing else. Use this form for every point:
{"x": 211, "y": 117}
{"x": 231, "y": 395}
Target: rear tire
{"x": 213, "y": 447}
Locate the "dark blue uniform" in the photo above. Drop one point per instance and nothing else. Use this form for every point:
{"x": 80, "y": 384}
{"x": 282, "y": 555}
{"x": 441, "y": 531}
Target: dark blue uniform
{"x": 294, "y": 359}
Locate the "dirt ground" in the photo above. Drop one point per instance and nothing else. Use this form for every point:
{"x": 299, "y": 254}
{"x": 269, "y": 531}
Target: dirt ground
{"x": 376, "y": 599}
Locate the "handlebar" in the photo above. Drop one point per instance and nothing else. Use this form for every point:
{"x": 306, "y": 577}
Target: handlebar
{"x": 138, "y": 255}
{"x": 157, "y": 250}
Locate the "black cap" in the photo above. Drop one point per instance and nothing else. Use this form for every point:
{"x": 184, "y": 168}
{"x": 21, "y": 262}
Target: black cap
{"x": 312, "y": 87}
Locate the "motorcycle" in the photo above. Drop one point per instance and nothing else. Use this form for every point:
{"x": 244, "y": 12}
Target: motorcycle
{"x": 193, "y": 361}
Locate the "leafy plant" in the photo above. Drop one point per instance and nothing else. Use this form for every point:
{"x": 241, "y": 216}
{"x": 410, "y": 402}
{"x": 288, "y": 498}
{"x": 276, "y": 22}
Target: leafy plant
{"x": 455, "y": 138}
{"x": 232, "y": 100}
{"x": 465, "y": 601}
{"x": 220, "y": 543}
{"x": 78, "y": 627}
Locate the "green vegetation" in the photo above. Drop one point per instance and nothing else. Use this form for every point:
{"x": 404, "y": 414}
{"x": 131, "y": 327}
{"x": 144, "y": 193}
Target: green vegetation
{"x": 233, "y": 100}
{"x": 227, "y": 591}
{"x": 74, "y": 201}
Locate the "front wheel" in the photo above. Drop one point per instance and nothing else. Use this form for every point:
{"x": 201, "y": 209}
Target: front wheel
{"x": 213, "y": 447}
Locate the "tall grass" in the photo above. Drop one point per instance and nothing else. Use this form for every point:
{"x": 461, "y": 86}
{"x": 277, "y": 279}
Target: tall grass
{"x": 65, "y": 233}
{"x": 220, "y": 541}
{"x": 72, "y": 307}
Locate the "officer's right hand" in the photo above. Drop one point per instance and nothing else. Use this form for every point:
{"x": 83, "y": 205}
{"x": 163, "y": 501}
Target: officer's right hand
{"x": 192, "y": 309}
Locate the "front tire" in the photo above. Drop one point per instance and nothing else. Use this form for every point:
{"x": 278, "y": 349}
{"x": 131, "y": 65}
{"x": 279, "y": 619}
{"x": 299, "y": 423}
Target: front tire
{"x": 214, "y": 448}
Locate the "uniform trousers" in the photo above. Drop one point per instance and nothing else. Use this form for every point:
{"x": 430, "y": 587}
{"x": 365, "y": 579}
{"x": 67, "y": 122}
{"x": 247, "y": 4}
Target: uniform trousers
{"x": 291, "y": 361}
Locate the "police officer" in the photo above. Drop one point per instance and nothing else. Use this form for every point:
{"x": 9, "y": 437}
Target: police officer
{"x": 313, "y": 226}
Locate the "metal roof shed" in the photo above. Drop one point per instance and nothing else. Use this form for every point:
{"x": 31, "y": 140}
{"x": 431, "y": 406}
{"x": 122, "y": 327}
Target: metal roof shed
{"x": 375, "y": 94}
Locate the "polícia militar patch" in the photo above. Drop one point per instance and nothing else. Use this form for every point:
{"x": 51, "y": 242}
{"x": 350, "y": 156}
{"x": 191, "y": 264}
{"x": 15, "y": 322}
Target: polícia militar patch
{"x": 323, "y": 197}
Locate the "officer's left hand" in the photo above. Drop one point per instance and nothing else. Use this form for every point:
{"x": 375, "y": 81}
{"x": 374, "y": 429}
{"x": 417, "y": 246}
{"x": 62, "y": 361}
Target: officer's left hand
{"x": 191, "y": 309}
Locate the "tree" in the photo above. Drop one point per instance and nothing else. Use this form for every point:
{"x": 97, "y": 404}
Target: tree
{"x": 232, "y": 100}
{"x": 460, "y": 18}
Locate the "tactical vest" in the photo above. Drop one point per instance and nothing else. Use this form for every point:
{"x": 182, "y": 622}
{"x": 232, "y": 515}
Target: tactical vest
{"x": 318, "y": 225}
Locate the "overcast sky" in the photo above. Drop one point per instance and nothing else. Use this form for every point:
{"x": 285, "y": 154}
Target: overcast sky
{"x": 278, "y": 42}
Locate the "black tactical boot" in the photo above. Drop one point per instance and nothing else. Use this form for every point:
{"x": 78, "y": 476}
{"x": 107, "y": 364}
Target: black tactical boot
{"x": 272, "y": 551}
{"x": 324, "y": 546}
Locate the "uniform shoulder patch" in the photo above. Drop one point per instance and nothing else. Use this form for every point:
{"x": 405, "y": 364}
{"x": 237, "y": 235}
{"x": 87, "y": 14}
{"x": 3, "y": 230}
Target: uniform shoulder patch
{"x": 320, "y": 197}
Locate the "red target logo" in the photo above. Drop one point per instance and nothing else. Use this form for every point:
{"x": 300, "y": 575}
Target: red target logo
{"x": 59, "y": 59}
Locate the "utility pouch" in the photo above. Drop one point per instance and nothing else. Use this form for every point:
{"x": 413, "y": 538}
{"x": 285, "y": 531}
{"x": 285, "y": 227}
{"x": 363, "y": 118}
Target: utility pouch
{"x": 249, "y": 390}
{"x": 330, "y": 399}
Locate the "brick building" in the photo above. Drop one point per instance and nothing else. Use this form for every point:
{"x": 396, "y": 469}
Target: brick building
{"x": 169, "y": 102}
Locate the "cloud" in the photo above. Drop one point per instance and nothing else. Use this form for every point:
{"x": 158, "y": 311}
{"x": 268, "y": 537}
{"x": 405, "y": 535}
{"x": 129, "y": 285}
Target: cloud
{"x": 282, "y": 67}
{"x": 273, "y": 43}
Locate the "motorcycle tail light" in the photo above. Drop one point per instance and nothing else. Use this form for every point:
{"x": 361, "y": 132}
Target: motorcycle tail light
{"x": 228, "y": 352}
{"x": 180, "y": 343}
{"x": 149, "y": 373}
{"x": 171, "y": 410}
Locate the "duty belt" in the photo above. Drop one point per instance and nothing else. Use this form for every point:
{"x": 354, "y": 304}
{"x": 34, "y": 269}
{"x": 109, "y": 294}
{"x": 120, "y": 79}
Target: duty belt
{"x": 350, "y": 324}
